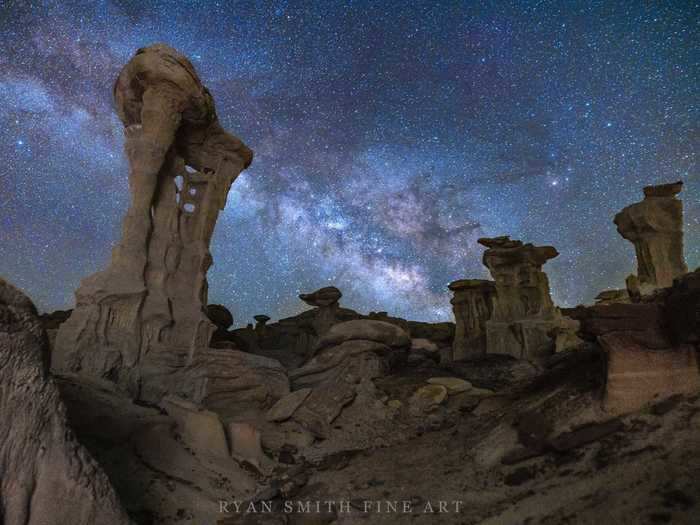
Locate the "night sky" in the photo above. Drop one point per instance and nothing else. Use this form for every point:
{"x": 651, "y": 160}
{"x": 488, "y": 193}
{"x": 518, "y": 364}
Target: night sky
{"x": 388, "y": 137}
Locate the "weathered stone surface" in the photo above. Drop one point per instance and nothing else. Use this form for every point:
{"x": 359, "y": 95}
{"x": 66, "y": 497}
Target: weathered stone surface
{"x": 46, "y": 476}
{"x": 655, "y": 227}
{"x": 367, "y": 330}
{"x": 472, "y": 304}
{"x": 525, "y": 322}
{"x": 638, "y": 375}
{"x": 152, "y": 297}
{"x": 285, "y": 407}
{"x": 454, "y": 385}
{"x": 200, "y": 429}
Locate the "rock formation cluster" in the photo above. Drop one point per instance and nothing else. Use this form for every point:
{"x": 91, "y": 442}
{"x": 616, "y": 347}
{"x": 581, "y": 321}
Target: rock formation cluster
{"x": 655, "y": 227}
{"x": 183, "y": 412}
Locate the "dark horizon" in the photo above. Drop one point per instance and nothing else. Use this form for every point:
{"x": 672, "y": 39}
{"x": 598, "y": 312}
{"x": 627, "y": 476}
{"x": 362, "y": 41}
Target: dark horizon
{"x": 387, "y": 137}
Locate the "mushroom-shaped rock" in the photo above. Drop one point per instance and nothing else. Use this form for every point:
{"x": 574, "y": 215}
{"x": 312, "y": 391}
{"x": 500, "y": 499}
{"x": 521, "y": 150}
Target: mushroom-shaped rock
{"x": 655, "y": 227}
{"x": 261, "y": 319}
{"x": 322, "y": 297}
{"x": 220, "y": 316}
{"x": 524, "y": 316}
{"x": 326, "y": 300}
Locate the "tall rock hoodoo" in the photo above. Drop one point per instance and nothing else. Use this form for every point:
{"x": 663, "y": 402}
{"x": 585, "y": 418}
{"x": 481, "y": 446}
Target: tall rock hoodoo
{"x": 142, "y": 321}
{"x": 525, "y": 322}
{"x": 655, "y": 227}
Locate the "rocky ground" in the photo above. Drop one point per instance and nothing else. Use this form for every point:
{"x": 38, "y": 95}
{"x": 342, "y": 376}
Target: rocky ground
{"x": 520, "y": 445}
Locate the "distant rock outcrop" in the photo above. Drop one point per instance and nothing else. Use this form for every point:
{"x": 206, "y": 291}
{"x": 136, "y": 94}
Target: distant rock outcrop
{"x": 144, "y": 319}
{"x": 472, "y": 305}
{"x": 46, "y": 476}
{"x": 525, "y": 322}
{"x": 655, "y": 227}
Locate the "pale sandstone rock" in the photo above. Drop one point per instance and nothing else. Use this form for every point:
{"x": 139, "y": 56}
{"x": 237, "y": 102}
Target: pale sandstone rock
{"x": 655, "y": 227}
{"x": 152, "y": 297}
{"x": 285, "y": 407}
{"x": 638, "y": 375}
{"x": 46, "y": 475}
{"x": 246, "y": 443}
{"x": 200, "y": 429}
{"x": 472, "y": 304}
{"x": 428, "y": 396}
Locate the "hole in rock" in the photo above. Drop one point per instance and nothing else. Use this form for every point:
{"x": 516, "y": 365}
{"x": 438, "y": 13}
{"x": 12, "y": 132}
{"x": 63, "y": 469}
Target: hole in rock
{"x": 177, "y": 198}
{"x": 179, "y": 182}
{"x": 193, "y": 191}
{"x": 190, "y": 169}
{"x": 189, "y": 207}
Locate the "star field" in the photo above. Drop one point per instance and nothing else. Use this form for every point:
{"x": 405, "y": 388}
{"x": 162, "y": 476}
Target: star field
{"x": 388, "y": 137}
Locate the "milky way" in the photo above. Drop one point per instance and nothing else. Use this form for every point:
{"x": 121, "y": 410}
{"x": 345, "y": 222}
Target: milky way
{"x": 388, "y": 137}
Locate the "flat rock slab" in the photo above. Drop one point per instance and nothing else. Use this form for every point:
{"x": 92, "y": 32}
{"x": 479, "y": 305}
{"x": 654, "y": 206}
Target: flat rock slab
{"x": 454, "y": 385}
{"x": 285, "y": 407}
{"x": 586, "y": 434}
{"x": 429, "y": 395}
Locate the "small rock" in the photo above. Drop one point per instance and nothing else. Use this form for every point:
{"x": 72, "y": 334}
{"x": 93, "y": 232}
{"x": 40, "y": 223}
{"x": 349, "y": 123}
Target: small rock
{"x": 285, "y": 407}
{"x": 454, "y": 385}
{"x": 429, "y": 395}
